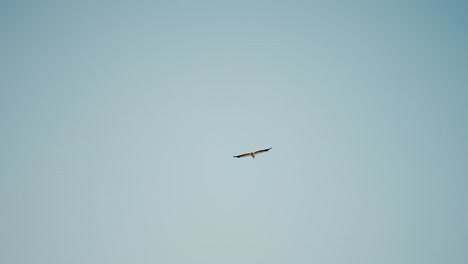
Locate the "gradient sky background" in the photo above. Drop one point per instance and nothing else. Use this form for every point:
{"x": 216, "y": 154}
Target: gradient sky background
{"x": 119, "y": 120}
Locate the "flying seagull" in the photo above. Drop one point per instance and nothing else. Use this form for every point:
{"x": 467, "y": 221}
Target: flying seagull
{"x": 252, "y": 154}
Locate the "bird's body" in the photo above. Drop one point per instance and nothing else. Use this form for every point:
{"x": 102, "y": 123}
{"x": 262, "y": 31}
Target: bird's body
{"x": 252, "y": 154}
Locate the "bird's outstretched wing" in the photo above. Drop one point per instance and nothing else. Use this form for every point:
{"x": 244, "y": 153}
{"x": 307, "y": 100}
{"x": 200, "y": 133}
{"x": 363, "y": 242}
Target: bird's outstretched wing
{"x": 261, "y": 151}
{"x": 243, "y": 155}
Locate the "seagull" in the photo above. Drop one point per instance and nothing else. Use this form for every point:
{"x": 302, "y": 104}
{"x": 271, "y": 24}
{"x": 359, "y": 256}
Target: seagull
{"x": 252, "y": 154}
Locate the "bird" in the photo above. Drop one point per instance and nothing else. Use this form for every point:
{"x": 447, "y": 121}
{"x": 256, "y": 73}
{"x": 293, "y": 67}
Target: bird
{"x": 252, "y": 154}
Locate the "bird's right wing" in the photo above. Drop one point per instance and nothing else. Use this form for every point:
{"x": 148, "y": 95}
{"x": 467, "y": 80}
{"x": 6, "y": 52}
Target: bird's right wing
{"x": 261, "y": 151}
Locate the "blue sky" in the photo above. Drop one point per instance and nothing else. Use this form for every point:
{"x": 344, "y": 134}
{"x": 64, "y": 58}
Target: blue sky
{"x": 119, "y": 121}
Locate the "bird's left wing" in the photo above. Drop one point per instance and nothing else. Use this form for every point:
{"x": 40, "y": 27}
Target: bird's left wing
{"x": 261, "y": 151}
{"x": 242, "y": 155}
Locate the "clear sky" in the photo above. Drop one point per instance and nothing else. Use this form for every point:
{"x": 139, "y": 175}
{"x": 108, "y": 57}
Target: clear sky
{"x": 119, "y": 120}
